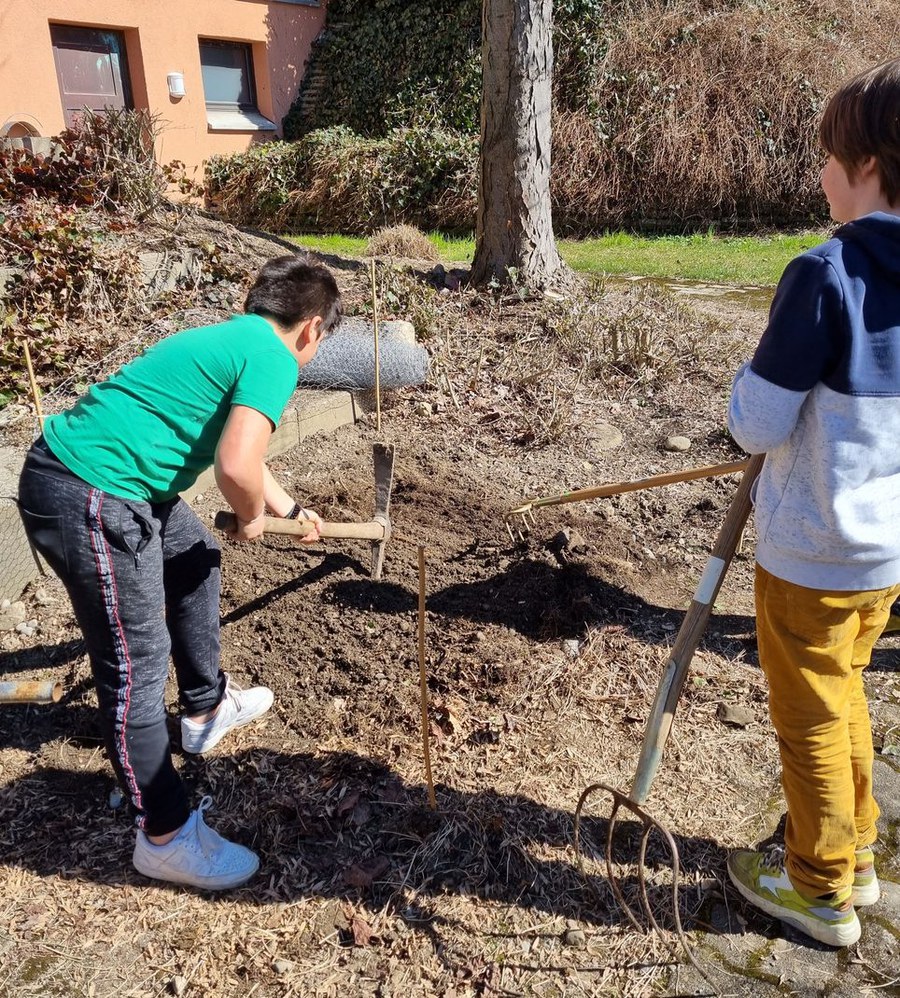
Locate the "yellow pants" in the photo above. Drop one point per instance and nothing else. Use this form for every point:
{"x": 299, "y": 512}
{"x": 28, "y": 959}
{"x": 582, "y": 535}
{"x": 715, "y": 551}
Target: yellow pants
{"x": 813, "y": 647}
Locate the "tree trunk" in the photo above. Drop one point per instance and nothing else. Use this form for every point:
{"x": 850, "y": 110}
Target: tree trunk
{"x": 514, "y": 228}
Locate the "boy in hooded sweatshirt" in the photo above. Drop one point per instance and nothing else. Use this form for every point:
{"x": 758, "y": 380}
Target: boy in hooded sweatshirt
{"x": 821, "y": 399}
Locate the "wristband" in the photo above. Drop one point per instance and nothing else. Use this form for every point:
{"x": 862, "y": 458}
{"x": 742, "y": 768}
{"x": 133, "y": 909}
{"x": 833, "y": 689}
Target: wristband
{"x": 295, "y": 512}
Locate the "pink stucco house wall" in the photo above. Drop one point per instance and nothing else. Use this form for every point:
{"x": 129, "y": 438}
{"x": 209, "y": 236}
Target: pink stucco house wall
{"x": 220, "y": 74}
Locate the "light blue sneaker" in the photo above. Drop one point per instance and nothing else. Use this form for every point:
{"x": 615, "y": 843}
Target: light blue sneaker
{"x": 196, "y": 857}
{"x": 237, "y": 708}
{"x": 762, "y": 879}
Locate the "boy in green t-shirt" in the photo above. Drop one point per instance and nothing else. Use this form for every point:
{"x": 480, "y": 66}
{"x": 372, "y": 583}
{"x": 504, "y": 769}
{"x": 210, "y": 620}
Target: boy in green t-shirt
{"x": 99, "y": 495}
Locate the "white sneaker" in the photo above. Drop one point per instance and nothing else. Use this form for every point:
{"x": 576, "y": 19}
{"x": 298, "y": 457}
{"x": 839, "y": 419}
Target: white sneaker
{"x": 197, "y": 856}
{"x": 237, "y": 708}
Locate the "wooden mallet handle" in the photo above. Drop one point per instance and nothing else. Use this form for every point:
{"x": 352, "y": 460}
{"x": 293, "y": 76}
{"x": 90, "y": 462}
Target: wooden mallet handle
{"x": 370, "y": 531}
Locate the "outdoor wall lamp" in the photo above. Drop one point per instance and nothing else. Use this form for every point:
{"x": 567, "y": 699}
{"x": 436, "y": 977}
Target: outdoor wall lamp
{"x": 176, "y": 85}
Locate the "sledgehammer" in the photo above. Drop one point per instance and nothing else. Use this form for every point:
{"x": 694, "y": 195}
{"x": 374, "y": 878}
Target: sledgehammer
{"x": 377, "y": 530}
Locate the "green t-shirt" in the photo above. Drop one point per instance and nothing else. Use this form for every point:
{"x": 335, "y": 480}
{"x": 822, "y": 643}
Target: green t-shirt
{"x": 149, "y": 431}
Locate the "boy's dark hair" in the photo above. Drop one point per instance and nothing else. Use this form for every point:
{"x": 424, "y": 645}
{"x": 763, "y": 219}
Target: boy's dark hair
{"x": 863, "y": 119}
{"x": 291, "y": 288}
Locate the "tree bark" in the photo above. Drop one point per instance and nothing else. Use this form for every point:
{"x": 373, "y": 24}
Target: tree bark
{"x": 514, "y": 228}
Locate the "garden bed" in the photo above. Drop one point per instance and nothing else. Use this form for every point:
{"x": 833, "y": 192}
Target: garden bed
{"x": 542, "y": 659}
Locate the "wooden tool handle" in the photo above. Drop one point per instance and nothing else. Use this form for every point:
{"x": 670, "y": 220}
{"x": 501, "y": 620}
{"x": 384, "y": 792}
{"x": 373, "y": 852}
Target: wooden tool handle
{"x": 371, "y": 531}
{"x": 662, "y": 713}
{"x": 654, "y": 481}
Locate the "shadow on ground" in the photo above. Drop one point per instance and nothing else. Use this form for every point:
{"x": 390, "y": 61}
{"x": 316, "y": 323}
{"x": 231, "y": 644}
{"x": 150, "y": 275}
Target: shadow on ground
{"x": 346, "y": 826}
{"x": 543, "y": 602}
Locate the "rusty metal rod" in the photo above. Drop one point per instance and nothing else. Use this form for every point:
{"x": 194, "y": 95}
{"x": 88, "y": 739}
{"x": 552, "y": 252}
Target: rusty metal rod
{"x": 31, "y": 692}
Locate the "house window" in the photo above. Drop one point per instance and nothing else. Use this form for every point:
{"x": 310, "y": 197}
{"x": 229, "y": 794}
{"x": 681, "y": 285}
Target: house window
{"x": 227, "y": 74}
{"x": 229, "y": 87}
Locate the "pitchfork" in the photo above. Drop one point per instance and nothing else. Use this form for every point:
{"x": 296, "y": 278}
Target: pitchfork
{"x": 662, "y": 714}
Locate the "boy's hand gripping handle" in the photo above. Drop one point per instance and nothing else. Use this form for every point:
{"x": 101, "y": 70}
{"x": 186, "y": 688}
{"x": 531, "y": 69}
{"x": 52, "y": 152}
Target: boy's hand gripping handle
{"x": 370, "y": 531}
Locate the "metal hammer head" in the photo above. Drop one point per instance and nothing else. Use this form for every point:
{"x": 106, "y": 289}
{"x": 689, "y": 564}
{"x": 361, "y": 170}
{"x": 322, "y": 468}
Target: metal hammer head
{"x": 383, "y": 455}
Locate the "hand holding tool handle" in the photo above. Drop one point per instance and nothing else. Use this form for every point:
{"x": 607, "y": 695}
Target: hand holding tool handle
{"x": 662, "y": 713}
{"x": 371, "y": 531}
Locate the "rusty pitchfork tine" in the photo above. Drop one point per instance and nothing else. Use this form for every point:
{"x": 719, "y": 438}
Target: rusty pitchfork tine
{"x": 650, "y": 824}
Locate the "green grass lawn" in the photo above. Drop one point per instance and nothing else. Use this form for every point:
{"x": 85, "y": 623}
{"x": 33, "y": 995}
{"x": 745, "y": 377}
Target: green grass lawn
{"x": 755, "y": 260}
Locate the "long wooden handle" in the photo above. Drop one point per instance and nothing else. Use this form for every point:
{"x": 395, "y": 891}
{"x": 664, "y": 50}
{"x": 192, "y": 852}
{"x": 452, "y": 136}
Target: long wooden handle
{"x": 662, "y": 713}
{"x": 370, "y": 531}
{"x": 637, "y": 485}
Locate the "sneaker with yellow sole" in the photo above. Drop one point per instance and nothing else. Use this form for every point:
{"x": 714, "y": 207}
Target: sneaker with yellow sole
{"x": 893, "y": 624}
{"x": 866, "y": 889}
{"x": 763, "y": 881}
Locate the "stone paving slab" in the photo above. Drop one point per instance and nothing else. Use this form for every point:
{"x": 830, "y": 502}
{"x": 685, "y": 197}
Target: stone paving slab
{"x": 750, "y": 954}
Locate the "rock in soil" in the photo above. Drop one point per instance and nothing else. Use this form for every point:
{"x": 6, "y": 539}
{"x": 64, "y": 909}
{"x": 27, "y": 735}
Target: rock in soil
{"x": 735, "y": 715}
{"x": 679, "y": 445}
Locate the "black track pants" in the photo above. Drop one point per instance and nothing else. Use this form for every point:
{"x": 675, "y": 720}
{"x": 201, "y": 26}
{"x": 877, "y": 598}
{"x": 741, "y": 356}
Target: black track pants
{"x": 143, "y": 579}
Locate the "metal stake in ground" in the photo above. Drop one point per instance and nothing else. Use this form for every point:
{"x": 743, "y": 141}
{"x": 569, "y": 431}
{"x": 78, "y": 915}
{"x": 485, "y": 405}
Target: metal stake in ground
{"x": 377, "y": 352}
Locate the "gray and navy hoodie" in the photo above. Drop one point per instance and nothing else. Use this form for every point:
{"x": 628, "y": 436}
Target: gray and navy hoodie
{"x": 821, "y": 398}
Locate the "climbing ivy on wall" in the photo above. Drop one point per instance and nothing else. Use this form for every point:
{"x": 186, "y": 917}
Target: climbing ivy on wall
{"x": 381, "y": 64}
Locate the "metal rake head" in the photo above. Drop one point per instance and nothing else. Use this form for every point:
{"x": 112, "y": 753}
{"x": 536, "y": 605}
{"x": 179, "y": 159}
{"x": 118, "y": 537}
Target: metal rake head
{"x": 519, "y": 523}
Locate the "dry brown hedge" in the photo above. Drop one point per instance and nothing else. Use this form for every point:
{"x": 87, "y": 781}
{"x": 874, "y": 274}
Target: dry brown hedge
{"x": 706, "y": 113}
{"x": 691, "y": 114}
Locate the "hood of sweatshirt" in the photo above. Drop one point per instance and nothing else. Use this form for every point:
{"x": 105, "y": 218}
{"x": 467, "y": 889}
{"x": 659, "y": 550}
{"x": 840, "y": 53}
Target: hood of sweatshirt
{"x": 877, "y": 236}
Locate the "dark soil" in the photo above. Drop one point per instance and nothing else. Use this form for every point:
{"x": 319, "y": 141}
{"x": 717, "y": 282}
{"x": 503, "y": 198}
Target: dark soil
{"x": 542, "y": 657}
